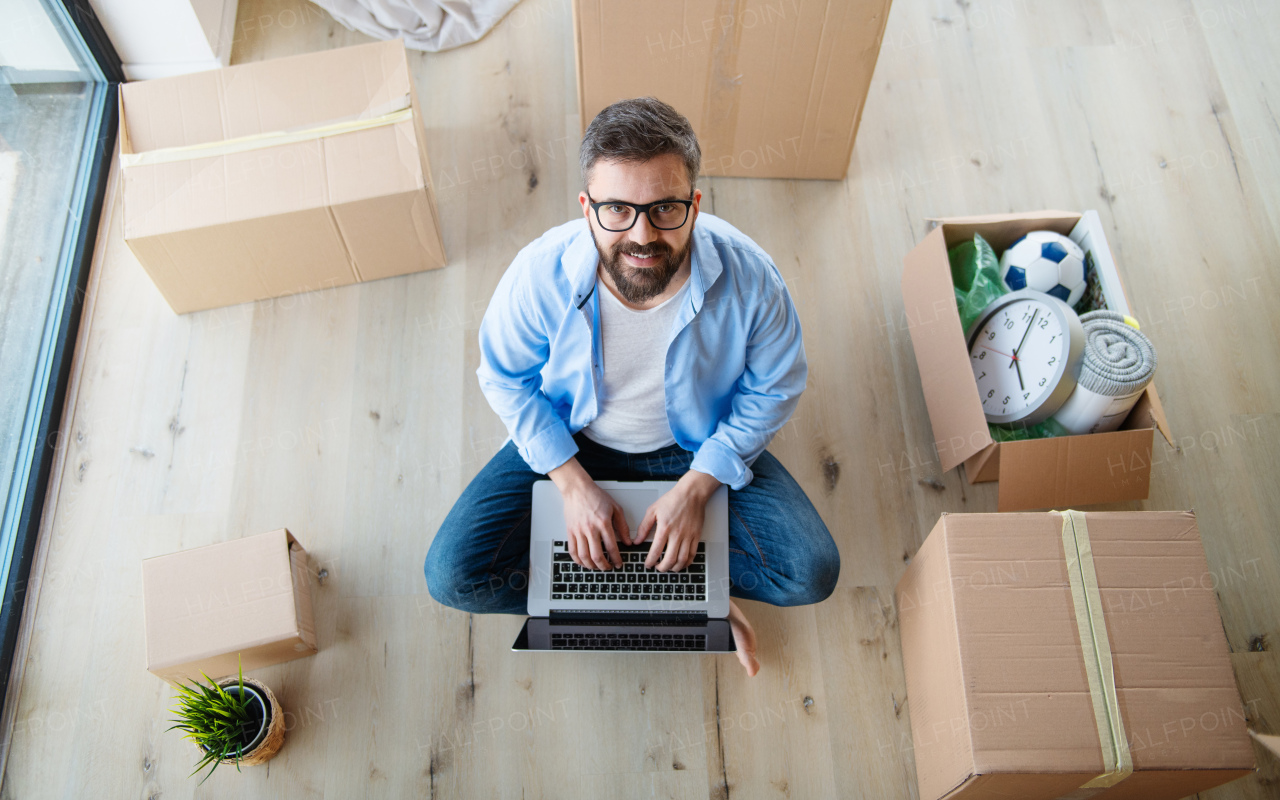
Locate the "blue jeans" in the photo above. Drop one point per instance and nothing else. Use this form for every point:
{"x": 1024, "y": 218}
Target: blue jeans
{"x": 780, "y": 551}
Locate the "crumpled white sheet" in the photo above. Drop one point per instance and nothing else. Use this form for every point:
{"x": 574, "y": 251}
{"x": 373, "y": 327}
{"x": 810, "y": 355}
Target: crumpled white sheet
{"x": 429, "y": 25}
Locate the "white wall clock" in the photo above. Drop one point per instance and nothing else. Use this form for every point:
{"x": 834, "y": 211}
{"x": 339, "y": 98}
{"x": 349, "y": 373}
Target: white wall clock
{"x": 1025, "y": 350}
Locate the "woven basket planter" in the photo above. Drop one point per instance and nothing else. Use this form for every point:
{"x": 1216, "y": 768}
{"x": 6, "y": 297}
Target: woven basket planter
{"x": 273, "y": 739}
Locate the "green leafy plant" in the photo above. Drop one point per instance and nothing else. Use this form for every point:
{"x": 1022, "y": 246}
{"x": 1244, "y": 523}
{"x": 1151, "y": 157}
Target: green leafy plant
{"x": 215, "y": 720}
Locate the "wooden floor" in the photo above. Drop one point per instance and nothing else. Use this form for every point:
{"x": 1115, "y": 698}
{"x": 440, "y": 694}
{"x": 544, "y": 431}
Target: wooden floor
{"x": 353, "y": 417}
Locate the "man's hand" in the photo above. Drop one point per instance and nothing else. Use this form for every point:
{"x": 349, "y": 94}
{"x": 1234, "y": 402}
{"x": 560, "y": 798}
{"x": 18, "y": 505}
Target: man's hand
{"x": 591, "y": 517}
{"x": 676, "y": 522}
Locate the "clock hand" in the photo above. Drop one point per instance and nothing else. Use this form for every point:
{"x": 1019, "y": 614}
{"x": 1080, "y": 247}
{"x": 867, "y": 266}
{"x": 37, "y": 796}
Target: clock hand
{"x": 1020, "y": 384}
{"x": 1024, "y": 334}
{"x": 1006, "y": 355}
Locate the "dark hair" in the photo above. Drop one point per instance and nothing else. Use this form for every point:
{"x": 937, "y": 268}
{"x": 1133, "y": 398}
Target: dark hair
{"x": 638, "y": 130}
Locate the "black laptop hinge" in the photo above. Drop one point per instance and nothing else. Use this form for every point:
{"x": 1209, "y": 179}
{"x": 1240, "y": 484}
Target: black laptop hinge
{"x": 603, "y": 617}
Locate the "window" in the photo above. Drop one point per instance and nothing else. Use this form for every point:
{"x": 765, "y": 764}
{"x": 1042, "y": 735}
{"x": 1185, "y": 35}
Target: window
{"x": 58, "y": 80}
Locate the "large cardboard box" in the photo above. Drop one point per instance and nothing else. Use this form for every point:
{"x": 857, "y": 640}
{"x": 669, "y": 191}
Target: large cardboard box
{"x": 276, "y": 177}
{"x": 1035, "y": 473}
{"x": 248, "y": 597}
{"x": 773, "y": 88}
{"x": 998, "y": 659}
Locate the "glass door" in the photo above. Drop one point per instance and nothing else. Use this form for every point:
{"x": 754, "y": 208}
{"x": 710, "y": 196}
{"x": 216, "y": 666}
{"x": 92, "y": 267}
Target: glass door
{"x": 58, "y": 79}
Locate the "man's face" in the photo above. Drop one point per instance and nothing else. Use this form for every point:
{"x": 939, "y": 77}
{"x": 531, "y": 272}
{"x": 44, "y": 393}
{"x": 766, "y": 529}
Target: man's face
{"x": 642, "y": 260}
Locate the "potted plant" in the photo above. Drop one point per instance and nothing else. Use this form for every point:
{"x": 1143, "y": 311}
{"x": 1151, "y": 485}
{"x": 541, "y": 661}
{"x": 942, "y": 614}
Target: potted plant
{"x": 232, "y": 721}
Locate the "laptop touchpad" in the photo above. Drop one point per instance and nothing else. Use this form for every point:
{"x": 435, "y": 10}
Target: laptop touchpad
{"x": 634, "y": 503}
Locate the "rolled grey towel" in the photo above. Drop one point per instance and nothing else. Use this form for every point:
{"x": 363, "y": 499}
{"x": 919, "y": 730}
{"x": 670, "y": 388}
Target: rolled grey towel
{"x": 1118, "y": 363}
{"x": 1118, "y": 358}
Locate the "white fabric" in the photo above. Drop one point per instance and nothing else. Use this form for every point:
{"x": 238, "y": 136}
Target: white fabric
{"x": 633, "y": 408}
{"x": 423, "y": 24}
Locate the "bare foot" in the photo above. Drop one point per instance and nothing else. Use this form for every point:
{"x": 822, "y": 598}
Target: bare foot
{"x": 744, "y": 637}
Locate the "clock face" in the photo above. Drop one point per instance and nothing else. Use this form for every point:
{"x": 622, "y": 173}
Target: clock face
{"x": 1018, "y": 355}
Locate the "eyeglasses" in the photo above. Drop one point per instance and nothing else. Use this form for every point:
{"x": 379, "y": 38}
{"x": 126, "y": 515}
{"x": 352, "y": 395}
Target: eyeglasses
{"x": 665, "y": 215}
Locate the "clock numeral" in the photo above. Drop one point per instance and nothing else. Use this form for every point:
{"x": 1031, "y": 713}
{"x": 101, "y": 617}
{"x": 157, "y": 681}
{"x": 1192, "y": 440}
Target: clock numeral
{"x": 1053, "y": 361}
{"x": 983, "y": 375}
{"x": 1008, "y": 323}
{"x": 1005, "y": 400}
{"x": 1042, "y": 380}
{"x": 993, "y": 391}
{"x": 1051, "y": 338}
{"x": 982, "y": 355}
{"x": 1044, "y": 323}
{"x": 991, "y": 335}
{"x": 1026, "y": 395}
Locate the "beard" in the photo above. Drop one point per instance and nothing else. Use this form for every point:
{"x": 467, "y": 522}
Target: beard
{"x": 638, "y": 284}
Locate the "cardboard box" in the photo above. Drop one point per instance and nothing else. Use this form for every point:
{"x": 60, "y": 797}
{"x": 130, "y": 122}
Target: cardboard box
{"x": 276, "y": 177}
{"x": 1035, "y": 473}
{"x": 997, "y": 687}
{"x": 249, "y": 597}
{"x": 773, "y": 88}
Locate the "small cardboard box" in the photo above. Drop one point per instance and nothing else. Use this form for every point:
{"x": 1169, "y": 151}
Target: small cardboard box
{"x": 1034, "y": 473}
{"x": 999, "y": 695}
{"x": 248, "y": 597}
{"x": 277, "y": 177}
{"x": 773, "y": 88}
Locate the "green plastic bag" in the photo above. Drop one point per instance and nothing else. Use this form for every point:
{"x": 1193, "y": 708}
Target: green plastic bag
{"x": 1013, "y": 433}
{"x": 975, "y": 273}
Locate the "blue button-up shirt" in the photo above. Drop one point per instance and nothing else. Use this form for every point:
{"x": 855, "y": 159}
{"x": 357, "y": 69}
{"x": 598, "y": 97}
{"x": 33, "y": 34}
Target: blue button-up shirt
{"x": 735, "y": 363}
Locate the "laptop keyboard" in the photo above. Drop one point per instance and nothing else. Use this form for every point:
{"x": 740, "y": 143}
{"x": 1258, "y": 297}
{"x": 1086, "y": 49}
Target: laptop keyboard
{"x": 632, "y": 581}
{"x": 628, "y": 641}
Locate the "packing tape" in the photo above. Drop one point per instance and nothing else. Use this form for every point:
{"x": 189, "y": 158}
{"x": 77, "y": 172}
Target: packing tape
{"x": 389, "y": 113}
{"x": 1099, "y": 667}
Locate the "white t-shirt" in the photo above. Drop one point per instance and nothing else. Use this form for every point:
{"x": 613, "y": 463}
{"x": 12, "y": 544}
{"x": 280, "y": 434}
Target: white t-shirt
{"x": 633, "y": 410}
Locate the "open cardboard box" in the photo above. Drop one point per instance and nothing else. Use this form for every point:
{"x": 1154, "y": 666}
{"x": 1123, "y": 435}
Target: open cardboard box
{"x": 1034, "y": 473}
{"x": 255, "y": 181}
{"x": 242, "y": 602}
{"x": 773, "y": 88}
{"x": 997, "y": 664}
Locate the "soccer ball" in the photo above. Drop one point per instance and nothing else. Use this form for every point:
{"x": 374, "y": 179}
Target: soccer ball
{"x": 1047, "y": 262}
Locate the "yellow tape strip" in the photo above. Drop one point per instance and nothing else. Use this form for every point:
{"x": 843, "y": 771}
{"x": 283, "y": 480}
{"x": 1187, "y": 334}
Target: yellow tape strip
{"x": 1116, "y": 758}
{"x": 400, "y": 112}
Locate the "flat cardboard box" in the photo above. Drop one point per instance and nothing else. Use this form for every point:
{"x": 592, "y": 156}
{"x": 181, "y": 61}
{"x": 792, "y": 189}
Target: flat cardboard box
{"x": 216, "y": 227}
{"x": 1035, "y": 473}
{"x": 996, "y": 685}
{"x": 248, "y": 597}
{"x": 773, "y": 88}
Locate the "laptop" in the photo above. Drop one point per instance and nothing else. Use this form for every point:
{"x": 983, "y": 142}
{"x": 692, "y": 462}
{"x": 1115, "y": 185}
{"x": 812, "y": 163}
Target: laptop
{"x": 629, "y": 608}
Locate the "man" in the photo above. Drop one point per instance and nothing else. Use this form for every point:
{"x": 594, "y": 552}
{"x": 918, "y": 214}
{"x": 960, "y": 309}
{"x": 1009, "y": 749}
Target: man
{"x": 643, "y": 341}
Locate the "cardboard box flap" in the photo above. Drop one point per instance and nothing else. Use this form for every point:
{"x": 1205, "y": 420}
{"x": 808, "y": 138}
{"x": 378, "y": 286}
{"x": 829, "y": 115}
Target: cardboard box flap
{"x": 263, "y": 96}
{"x": 1020, "y": 647}
{"x": 802, "y": 104}
{"x": 1168, "y": 645}
{"x": 1070, "y": 471}
{"x": 206, "y": 192}
{"x": 1149, "y": 412}
{"x": 1002, "y": 230}
{"x": 955, "y": 411}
